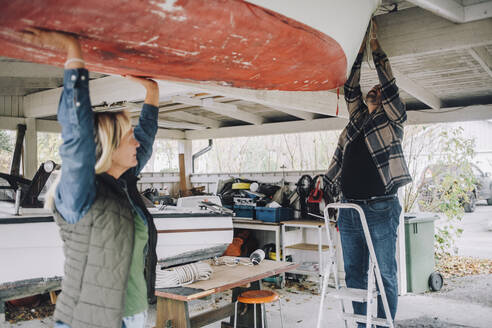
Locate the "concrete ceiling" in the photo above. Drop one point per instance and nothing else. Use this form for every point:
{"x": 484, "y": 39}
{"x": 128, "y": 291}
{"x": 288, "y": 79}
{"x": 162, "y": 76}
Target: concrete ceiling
{"x": 440, "y": 66}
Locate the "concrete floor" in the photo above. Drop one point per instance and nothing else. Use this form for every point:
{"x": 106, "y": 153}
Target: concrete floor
{"x": 476, "y": 240}
{"x": 462, "y": 303}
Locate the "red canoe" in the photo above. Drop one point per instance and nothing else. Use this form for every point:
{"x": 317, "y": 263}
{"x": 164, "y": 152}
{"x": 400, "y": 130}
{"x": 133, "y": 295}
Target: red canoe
{"x": 228, "y": 42}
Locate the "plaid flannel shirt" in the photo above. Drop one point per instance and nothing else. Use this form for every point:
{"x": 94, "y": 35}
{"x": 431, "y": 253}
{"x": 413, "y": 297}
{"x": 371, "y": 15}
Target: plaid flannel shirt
{"x": 383, "y": 128}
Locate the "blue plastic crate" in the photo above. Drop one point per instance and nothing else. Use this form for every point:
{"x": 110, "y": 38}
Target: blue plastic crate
{"x": 244, "y": 211}
{"x": 278, "y": 214}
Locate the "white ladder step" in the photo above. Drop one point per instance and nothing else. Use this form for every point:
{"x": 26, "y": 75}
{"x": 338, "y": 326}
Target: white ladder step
{"x": 353, "y": 294}
{"x": 363, "y": 319}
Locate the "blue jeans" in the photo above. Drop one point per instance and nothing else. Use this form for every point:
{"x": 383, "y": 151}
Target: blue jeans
{"x": 134, "y": 321}
{"x": 383, "y": 218}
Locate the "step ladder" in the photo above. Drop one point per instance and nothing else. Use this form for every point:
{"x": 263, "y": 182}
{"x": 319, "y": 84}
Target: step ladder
{"x": 368, "y": 295}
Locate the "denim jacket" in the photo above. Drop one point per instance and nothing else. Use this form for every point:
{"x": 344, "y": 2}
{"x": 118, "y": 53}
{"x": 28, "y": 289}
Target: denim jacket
{"x": 76, "y": 190}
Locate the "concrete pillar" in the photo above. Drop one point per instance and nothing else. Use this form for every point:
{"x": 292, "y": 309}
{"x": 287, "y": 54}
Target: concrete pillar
{"x": 30, "y": 149}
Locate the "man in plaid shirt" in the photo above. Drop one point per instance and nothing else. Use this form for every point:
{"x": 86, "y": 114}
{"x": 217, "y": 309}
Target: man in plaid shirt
{"x": 368, "y": 167}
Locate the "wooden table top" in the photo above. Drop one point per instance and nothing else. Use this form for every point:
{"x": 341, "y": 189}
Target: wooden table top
{"x": 225, "y": 278}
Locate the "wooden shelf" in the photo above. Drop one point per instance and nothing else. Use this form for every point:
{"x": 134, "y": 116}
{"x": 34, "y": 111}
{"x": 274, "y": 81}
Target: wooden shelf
{"x": 308, "y": 247}
{"x": 303, "y": 223}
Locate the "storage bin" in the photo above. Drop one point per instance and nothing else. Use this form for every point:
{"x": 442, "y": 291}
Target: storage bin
{"x": 278, "y": 214}
{"x": 244, "y": 211}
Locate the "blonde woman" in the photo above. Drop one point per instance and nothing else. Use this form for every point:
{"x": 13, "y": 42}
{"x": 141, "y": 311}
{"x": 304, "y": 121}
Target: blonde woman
{"x": 109, "y": 236}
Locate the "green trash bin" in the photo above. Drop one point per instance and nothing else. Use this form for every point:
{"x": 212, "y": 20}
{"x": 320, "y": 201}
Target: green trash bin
{"x": 419, "y": 243}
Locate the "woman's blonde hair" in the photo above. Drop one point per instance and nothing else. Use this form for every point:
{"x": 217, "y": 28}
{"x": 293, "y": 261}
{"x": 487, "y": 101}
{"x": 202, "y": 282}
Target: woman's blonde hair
{"x": 109, "y": 129}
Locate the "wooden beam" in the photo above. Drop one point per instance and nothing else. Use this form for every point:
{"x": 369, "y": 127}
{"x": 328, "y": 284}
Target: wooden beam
{"x": 172, "y": 313}
{"x": 220, "y": 108}
{"x": 484, "y": 59}
{"x": 10, "y": 123}
{"x": 184, "y": 150}
{"x": 454, "y": 11}
{"x": 457, "y": 114}
{"x": 29, "y": 70}
{"x": 448, "y": 9}
{"x": 179, "y": 125}
{"x": 48, "y": 126}
{"x": 170, "y": 134}
{"x": 269, "y": 129}
{"x": 416, "y": 31}
{"x": 174, "y": 125}
{"x": 209, "y": 317}
{"x": 416, "y": 90}
{"x": 453, "y": 114}
{"x": 110, "y": 89}
{"x": 320, "y": 102}
{"x": 478, "y": 11}
{"x": 208, "y": 122}
{"x": 296, "y": 113}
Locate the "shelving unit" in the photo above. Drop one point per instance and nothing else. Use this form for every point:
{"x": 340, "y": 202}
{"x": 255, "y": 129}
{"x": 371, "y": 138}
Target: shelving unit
{"x": 304, "y": 246}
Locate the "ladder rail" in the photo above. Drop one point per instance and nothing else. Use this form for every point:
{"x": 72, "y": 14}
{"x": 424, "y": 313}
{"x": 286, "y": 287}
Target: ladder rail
{"x": 372, "y": 253}
{"x": 330, "y": 267}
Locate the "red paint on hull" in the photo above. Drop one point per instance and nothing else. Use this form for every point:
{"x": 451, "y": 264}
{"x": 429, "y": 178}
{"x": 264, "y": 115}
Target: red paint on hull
{"x": 228, "y": 42}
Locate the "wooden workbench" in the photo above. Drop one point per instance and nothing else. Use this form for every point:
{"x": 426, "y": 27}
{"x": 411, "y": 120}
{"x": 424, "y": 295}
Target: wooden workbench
{"x": 172, "y": 303}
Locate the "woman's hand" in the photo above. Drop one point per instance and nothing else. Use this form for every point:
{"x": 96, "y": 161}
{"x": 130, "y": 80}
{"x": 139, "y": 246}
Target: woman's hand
{"x": 48, "y": 39}
{"x": 55, "y": 40}
{"x": 152, "y": 96}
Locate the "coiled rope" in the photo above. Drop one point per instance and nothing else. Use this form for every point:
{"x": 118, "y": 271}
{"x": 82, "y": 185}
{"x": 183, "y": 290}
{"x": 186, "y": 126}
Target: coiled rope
{"x": 182, "y": 275}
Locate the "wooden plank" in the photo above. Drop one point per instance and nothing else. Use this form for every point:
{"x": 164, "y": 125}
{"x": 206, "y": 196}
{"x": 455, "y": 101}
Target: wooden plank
{"x": 53, "y": 297}
{"x": 226, "y": 277}
{"x": 212, "y": 316}
{"x": 20, "y": 289}
{"x": 172, "y": 313}
{"x": 182, "y": 176}
{"x": 308, "y": 247}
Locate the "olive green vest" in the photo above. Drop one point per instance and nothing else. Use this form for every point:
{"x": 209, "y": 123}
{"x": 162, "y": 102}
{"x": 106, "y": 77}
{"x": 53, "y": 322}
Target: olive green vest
{"x": 98, "y": 253}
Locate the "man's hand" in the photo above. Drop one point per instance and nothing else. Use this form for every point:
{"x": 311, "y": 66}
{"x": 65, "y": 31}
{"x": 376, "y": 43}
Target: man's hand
{"x": 152, "y": 96}
{"x": 373, "y": 36}
{"x": 363, "y": 45}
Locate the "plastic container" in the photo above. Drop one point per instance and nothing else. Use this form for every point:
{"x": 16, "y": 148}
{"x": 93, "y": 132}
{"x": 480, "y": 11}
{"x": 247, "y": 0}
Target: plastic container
{"x": 244, "y": 211}
{"x": 419, "y": 242}
{"x": 267, "y": 214}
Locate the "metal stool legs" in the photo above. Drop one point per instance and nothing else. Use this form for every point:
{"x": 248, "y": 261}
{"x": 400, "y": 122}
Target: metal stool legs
{"x": 263, "y": 317}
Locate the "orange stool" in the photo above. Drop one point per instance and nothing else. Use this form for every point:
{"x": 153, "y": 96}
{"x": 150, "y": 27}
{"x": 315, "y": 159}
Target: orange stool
{"x": 258, "y": 297}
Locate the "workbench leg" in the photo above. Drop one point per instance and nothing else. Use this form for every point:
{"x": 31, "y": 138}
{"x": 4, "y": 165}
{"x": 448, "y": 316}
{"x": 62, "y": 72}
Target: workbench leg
{"x": 172, "y": 314}
{"x": 246, "y": 320}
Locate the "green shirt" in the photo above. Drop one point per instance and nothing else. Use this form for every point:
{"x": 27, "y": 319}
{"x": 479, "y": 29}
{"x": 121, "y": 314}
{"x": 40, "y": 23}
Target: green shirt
{"x": 136, "y": 290}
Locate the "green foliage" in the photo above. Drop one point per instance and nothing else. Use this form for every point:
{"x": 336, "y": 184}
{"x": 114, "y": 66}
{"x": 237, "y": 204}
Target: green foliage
{"x": 453, "y": 185}
{"x": 48, "y": 147}
{"x": 5, "y": 142}
{"x": 6, "y": 149}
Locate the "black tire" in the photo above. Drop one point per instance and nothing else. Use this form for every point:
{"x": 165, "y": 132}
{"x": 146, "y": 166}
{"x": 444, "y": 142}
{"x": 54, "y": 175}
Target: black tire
{"x": 471, "y": 205}
{"x": 435, "y": 281}
{"x": 489, "y": 201}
